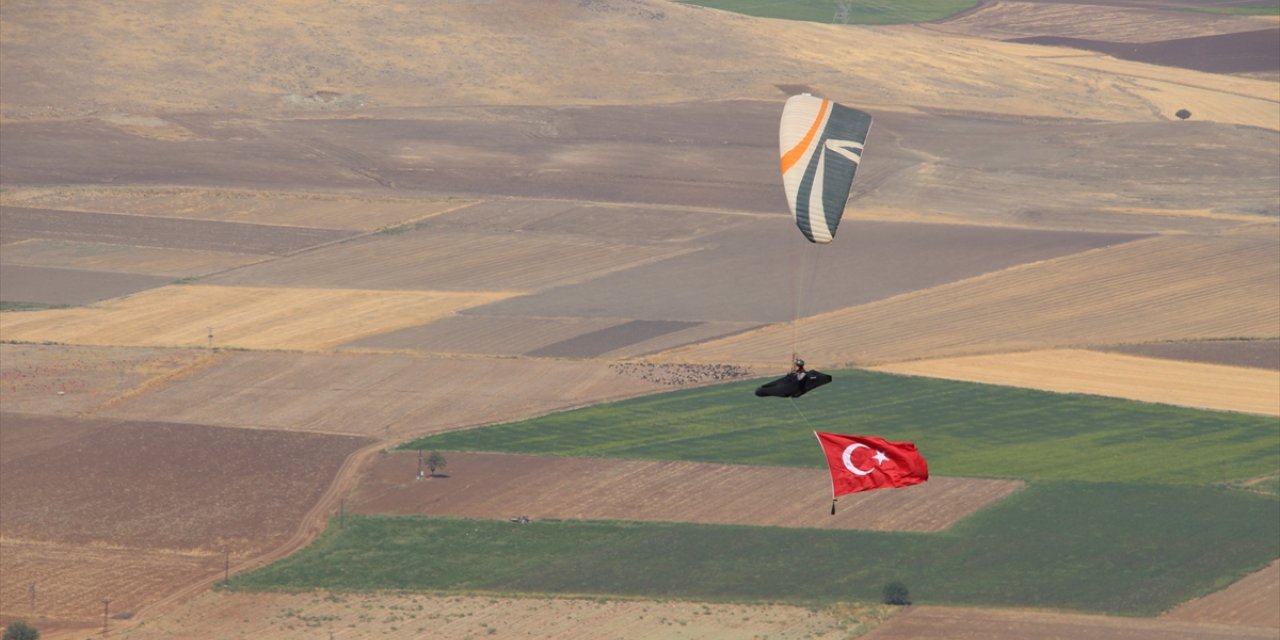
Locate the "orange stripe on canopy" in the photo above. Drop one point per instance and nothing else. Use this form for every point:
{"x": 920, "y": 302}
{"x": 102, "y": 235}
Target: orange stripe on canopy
{"x": 792, "y": 156}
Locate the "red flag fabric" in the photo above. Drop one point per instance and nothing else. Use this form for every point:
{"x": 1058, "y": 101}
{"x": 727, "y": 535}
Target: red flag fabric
{"x": 862, "y": 463}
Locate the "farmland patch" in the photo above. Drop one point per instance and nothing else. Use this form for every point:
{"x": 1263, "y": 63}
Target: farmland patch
{"x": 1106, "y": 559}
{"x": 501, "y": 486}
{"x": 161, "y": 485}
{"x": 165, "y": 232}
{"x": 1262, "y": 354}
{"x": 352, "y": 212}
{"x": 53, "y": 585}
{"x": 1250, "y": 602}
{"x": 962, "y": 429}
{"x": 68, "y": 380}
{"x": 61, "y": 286}
{"x": 1187, "y": 384}
{"x": 121, "y": 259}
{"x": 1004, "y": 20}
{"x": 451, "y": 261}
{"x": 756, "y": 271}
{"x": 1166, "y": 288}
{"x": 380, "y": 395}
{"x": 305, "y": 616}
{"x": 930, "y": 622}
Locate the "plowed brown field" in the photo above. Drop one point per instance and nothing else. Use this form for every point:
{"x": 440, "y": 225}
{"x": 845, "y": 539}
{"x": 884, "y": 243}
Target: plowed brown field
{"x": 498, "y": 486}
{"x": 134, "y": 512}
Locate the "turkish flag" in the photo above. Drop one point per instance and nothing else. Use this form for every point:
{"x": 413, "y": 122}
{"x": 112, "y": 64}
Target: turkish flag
{"x": 862, "y": 463}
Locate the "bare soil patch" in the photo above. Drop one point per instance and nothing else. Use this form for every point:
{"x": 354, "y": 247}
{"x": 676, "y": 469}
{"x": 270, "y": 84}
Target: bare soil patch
{"x": 928, "y": 622}
{"x": 238, "y": 317}
{"x": 1188, "y": 384}
{"x": 500, "y": 486}
{"x": 1249, "y": 602}
{"x": 395, "y": 616}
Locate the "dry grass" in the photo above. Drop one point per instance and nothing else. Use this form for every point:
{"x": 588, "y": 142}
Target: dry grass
{"x": 404, "y": 616}
{"x": 240, "y": 317}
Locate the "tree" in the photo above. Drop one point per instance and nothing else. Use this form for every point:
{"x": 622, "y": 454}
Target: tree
{"x": 435, "y": 460}
{"x": 21, "y": 631}
{"x": 896, "y": 593}
{"x": 1183, "y": 114}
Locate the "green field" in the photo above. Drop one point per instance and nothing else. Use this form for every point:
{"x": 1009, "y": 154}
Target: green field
{"x": 1119, "y": 549}
{"x": 860, "y": 11}
{"x": 962, "y": 429}
{"x": 1131, "y": 508}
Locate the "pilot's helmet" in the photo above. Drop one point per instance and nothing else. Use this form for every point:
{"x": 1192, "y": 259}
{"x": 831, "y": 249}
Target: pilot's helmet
{"x": 799, "y": 362}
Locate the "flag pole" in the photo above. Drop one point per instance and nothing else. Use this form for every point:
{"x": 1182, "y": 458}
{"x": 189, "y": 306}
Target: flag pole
{"x": 833, "y": 480}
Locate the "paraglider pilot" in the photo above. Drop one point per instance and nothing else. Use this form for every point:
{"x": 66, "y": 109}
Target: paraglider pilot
{"x": 795, "y": 384}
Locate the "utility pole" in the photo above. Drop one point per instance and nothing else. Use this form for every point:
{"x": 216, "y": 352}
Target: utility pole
{"x": 210, "y": 338}
{"x": 32, "y": 591}
{"x": 106, "y": 604}
{"x": 226, "y": 564}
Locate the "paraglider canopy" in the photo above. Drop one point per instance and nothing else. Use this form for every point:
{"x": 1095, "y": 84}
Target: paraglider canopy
{"x": 820, "y": 143}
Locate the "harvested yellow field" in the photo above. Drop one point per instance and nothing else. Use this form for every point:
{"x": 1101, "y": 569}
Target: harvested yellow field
{"x": 239, "y": 317}
{"x": 1188, "y": 384}
{"x": 1163, "y": 288}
